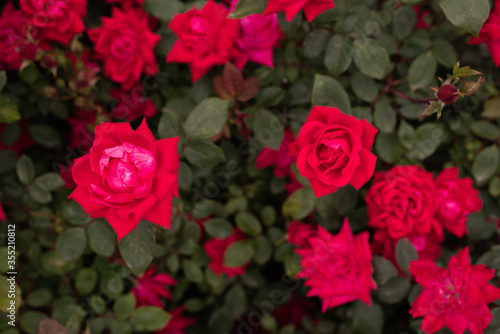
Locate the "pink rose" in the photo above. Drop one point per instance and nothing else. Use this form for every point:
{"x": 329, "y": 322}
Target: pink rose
{"x": 127, "y": 176}
{"x": 312, "y": 8}
{"x": 150, "y": 286}
{"x": 333, "y": 150}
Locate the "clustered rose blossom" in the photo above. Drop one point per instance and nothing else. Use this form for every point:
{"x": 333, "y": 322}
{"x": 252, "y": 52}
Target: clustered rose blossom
{"x": 333, "y": 150}
{"x": 127, "y": 176}
{"x": 132, "y": 104}
{"x": 2, "y": 213}
{"x": 455, "y": 297}
{"x": 422, "y": 17}
{"x": 407, "y": 202}
{"x": 311, "y": 8}
{"x": 17, "y": 40}
{"x": 178, "y": 323}
{"x": 337, "y": 268}
{"x": 125, "y": 44}
{"x": 281, "y": 159}
{"x": 56, "y": 20}
{"x": 150, "y": 286}
{"x": 489, "y": 34}
{"x": 299, "y": 233}
{"x": 259, "y": 34}
{"x": 216, "y": 248}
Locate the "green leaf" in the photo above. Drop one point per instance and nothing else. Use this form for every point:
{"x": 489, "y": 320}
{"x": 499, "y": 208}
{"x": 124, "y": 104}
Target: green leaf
{"x": 86, "y": 281}
{"x": 124, "y": 305}
{"x": 485, "y": 130}
{"x": 367, "y": 319}
{"x": 192, "y": 271}
{"x": 45, "y": 135}
{"x": 137, "y": 248}
{"x": 422, "y": 71}
{"x": 49, "y": 181}
{"x": 491, "y": 108}
{"x": 238, "y": 254}
{"x": 429, "y": 137}
{"x": 74, "y": 214}
{"x": 207, "y": 118}
{"x": 469, "y": 15}
{"x": 268, "y": 129}
{"x": 40, "y": 297}
{"x": 329, "y": 92}
{"x": 388, "y": 147}
{"x": 406, "y": 134}
{"x": 404, "y": 21}
{"x": 395, "y": 290}
{"x": 39, "y": 195}
{"x": 365, "y": 88}
{"x": 485, "y": 165}
{"x": 120, "y": 327}
{"x": 218, "y": 228}
{"x": 248, "y": 223}
{"x": 478, "y": 228}
{"x": 71, "y": 244}
{"x": 338, "y": 54}
{"x": 371, "y": 58}
{"x": 30, "y": 321}
{"x": 185, "y": 176}
{"x": 300, "y": 204}
{"x": 236, "y": 300}
{"x": 270, "y": 96}
{"x": 29, "y": 74}
{"x": 9, "y": 112}
{"x": 102, "y": 238}
{"x": 405, "y": 253}
{"x": 384, "y": 116}
{"x": 204, "y": 154}
{"x": 25, "y": 169}
{"x": 384, "y": 270}
{"x": 263, "y": 250}
{"x": 163, "y": 9}
{"x": 315, "y": 42}
{"x": 444, "y": 52}
{"x": 171, "y": 125}
{"x": 246, "y": 8}
{"x": 149, "y": 318}
{"x": 3, "y": 80}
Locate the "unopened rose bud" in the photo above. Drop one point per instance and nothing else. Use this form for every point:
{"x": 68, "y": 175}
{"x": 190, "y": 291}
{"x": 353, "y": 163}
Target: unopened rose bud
{"x": 470, "y": 87}
{"x": 447, "y": 94}
{"x": 49, "y": 92}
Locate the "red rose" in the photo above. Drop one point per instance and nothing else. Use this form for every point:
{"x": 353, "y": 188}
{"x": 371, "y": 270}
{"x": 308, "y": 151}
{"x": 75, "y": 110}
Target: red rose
{"x": 402, "y": 201}
{"x": 216, "y": 248}
{"x": 127, "y": 176}
{"x": 2, "y": 213}
{"x": 457, "y": 198}
{"x": 299, "y": 234}
{"x": 150, "y": 286}
{"x": 490, "y": 35}
{"x": 338, "y": 268}
{"x": 178, "y": 323}
{"x": 81, "y": 136}
{"x": 17, "y": 42}
{"x": 56, "y": 20}
{"x": 132, "y": 104}
{"x": 206, "y": 38}
{"x": 281, "y": 160}
{"x": 456, "y": 297}
{"x": 333, "y": 150}
{"x": 312, "y": 8}
{"x": 125, "y": 44}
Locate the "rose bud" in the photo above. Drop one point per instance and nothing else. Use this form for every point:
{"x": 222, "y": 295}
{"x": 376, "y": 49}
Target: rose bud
{"x": 448, "y": 94}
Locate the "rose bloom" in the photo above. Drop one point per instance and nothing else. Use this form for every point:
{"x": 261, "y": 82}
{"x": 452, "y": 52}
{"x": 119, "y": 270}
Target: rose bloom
{"x": 125, "y": 44}
{"x": 82, "y": 137}
{"x": 259, "y": 34}
{"x": 2, "y": 213}
{"x": 150, "y": 286}
{"x": 132, "y": 104}
{"x": 127, "y": 176}
{"x": 216, "y": 248}
{"x": 299, "y": 234}
{"x": 311, "y": 8}
{"x": 178, "y": 323}
{"x": 206, "y": 38}
{"x": 56, "y": 20}
{"x": 281, "y": 160}
{"x": 333, "y": 150}
{"x": 403, "y": 201}
{"x": 457, "y": 198}
{"x": 17, "y": 43}
{"x": 455, "y": 297}
{"x": 338, "y": 267}
{"x": 490, "y": 34}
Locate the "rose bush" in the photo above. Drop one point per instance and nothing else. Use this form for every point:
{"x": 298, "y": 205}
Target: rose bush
{"x": 249, "y": 166}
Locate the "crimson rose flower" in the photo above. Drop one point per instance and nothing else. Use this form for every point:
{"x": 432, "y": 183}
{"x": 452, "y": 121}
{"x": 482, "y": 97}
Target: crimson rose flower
{"x": 457, "y": 198}
{"x": 178, "y": 323}
{"x": 490, "y": 34}
{"x": 127, "y": 176}
{"x": 281, "y": 160}
{"x": 132, "y": 104}
{"x": 17, "y": 42}
{"x": 206, "y": 38}
{"x": 216, "y": 248}
{"x": 338, "y": 268}
{"x": 456, "y": 297}
{"x": 56, "y": 20}
{"x": 299, "y": 234}
{"x": 150, "y": 286}
{"x": 2, "y": 213}
{"x": 125, "y": 44}
{"x": 333, "y": 150}
{"x": 312, "y": 8}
